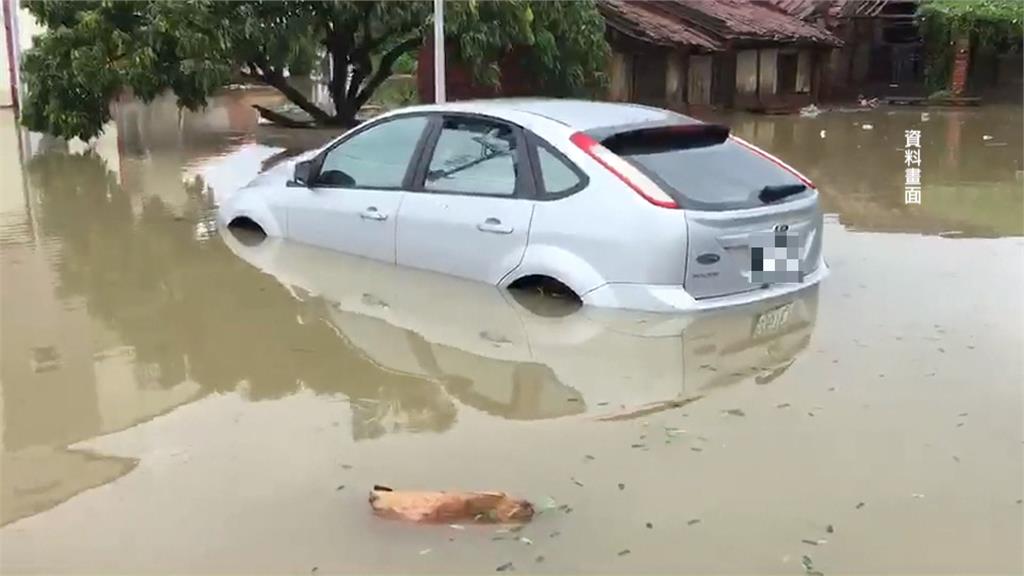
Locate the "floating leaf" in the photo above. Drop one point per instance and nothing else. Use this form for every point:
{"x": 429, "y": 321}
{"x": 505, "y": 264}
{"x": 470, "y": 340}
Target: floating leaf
{"x": 506, "y": 567}
{"x": 694, "y": 521}
{"x": 860, "y": 505}
{"x": 624, "y": 551}
{"x": 340, "y": 487}
{"x": 830, "y": 529}
{"x": 649, "y": 526}
{"x": 622, "y": 486}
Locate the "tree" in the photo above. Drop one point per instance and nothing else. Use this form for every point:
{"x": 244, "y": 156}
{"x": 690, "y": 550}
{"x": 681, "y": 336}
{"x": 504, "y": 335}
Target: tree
{"x": 951, "y": 25}
{"x": 92, "y": 50}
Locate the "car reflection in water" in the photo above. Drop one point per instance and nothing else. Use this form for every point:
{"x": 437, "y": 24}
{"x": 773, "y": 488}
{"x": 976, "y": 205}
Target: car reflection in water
{"x": 526, "y": 356}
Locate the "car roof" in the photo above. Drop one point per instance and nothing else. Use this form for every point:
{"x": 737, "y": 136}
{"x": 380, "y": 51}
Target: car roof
{"x": 577, "y": 114}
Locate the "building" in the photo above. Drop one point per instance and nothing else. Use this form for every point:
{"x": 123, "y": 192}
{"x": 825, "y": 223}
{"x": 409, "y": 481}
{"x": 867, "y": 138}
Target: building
{"x": 745, "y": 54}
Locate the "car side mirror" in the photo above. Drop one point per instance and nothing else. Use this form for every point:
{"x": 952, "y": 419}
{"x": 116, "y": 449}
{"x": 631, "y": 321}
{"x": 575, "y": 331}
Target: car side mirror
{"x": 303, "y": 172}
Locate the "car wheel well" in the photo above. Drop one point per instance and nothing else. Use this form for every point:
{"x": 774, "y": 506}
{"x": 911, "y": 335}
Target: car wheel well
{"x": 247, "y": 230}
{"x": 545, "y": 295}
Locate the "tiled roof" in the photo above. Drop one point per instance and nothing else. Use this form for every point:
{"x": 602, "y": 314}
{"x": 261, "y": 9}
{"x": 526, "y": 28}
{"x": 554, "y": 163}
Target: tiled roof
{"x": 711, "y": 24}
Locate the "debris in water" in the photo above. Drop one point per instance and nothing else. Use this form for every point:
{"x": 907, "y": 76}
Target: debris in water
{"x": 314, "y": 570}
{"x": 694, "y": 521}
{"x": 866, "y": 127}
{"x": 554, "y": 534}
{"x": 637, "y": 445}
{"x": 783, "y": 405}
{"x": 822, "y": 134}
{"x": 957, "y": 459}
{"x": 506, "y": 567}
{"x": 959, "y": 424}
{"x": 526, "y": 540}
{"x": 340, "y": 487}
{"x": 696, "y": 448}
{"x": 426, "y": 551}
{"x": 962, "y": 414}
{"x": 809, "y": 566}
{"x": 589, "y": 457}
{"x": 576, "y": 482}
{"x": 624, "y": 552}
{"x": 602, "y": 403}
{"x": 917, "y": 495}
{"x": 734, "y": 412}
{"x": 346, "y": 466}
{"x": 622, "y": 486}
{"x": 448, "y": 506}
{"x": 539, "y": 559}
{"x": 818, "y": 542}
{"x": 830, "y": 529}
{"x": 649, "y": 526}
{"x": 572, "y": 399}
{"x": 456, "y": 526}
{"x": 860, "y": 505}
{"x": 986, "y": 137}
{"x": 648, "y": 409}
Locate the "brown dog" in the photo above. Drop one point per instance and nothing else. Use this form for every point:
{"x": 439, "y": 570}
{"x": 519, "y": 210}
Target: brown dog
{"x": 449, "y": 506}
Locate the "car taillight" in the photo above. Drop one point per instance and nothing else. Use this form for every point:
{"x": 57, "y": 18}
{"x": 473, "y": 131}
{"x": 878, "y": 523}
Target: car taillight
{"x": 774, "y": 160}
{"x": 624, "y": 171}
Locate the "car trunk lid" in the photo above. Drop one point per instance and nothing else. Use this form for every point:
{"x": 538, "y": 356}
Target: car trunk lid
{"x": 736, "y": 197}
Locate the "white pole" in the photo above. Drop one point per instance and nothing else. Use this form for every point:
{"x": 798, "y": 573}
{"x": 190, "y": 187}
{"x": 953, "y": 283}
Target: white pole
{"x": 439, "y": 76}
{"x": 15, "y": 9}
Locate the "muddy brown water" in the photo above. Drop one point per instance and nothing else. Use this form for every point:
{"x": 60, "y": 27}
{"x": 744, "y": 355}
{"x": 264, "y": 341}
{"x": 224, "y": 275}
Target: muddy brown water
{"x": 176, "y": 400}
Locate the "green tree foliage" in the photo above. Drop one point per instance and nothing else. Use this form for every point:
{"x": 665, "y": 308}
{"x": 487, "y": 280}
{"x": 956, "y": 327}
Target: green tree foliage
{"x": 990, "y": 25}
{"x": 93, "y": 50}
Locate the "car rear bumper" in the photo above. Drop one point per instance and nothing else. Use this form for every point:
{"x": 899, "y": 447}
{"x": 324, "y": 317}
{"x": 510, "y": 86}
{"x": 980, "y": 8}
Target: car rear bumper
{"x": 662, "y": 298}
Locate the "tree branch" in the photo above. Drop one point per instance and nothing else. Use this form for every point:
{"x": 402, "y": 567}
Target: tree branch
{"x": 281, "y": 119}
{"x": 384, "y": 69}
{"x": 277, "y": 80}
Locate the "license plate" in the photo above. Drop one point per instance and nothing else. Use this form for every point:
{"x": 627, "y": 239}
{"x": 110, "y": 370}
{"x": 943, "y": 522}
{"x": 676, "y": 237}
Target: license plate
{"x": 772, "y": 321}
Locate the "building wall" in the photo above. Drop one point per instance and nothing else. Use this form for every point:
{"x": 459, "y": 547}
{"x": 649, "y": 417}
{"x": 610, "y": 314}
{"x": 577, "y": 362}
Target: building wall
{"x": 27, "y": 28}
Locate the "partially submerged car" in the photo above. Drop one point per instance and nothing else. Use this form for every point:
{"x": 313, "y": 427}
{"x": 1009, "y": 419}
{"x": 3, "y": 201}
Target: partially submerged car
{"x": 619, "y": 205}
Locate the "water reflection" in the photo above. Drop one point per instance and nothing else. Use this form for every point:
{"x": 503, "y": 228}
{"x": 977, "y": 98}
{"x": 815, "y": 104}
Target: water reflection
{"x": 496, "y": 354}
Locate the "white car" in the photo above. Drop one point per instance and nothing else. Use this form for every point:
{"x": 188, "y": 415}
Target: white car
{"x": 619, "y": 205}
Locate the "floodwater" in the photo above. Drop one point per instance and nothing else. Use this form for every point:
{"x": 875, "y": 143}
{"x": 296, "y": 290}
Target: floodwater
{"x": 178, "y": 400}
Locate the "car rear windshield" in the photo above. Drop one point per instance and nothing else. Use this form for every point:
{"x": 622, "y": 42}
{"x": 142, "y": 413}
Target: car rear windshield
{"x": 710, "y": 175}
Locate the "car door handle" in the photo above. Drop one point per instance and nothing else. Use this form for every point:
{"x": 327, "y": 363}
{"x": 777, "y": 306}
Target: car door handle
{"x": 494, "y": 226}
{"x": 372, "y": 213}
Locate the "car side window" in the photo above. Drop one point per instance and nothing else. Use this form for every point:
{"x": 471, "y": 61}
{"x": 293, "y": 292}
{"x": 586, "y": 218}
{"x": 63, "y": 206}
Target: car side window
{"x": 376, "y": 157}
{"x": 557, "y": 177}
{"x": 474, "y": 156}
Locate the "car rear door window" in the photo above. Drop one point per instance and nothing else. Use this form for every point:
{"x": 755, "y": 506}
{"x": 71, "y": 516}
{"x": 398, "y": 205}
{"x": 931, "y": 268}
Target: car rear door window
{"x": 557, "y": 176}
{"x": 474, "y": 156}
{"x": 377, "y": 157}
{"x": 709, "y": 176}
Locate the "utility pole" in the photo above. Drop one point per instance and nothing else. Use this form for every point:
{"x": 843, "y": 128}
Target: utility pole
{"x": 13, "y": 53}
{"x": 439, "y": 75}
